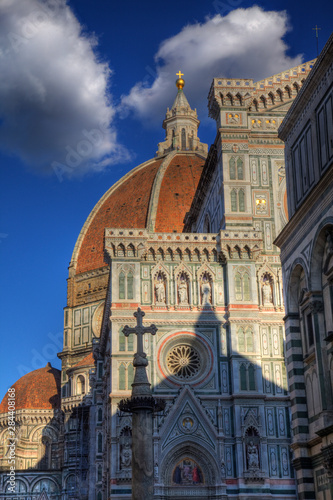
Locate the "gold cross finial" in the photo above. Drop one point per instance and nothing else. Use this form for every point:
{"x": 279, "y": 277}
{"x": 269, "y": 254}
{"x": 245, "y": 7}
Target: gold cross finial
{"x": 179, "y": 74}
{"x": 316, "y": 29}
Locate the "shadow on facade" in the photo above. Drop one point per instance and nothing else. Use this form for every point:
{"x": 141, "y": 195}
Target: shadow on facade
{"x": 217, "y": 434}
{"x": 38, "y": 446}
{"x": 223, "y": 414}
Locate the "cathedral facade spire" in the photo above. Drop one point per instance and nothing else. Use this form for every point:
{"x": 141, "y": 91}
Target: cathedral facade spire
{"x": 181, "y": 125}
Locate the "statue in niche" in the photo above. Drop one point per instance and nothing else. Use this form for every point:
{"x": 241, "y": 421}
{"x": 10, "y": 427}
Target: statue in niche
{"x": 267, "y": 292}
{"x": 126, "y": 455}
{"x": 252, "y": 456}
{"x": 126, "y": 449}
{"x": 205, "y": 291}
{"x": 187, "y": 423}
{"x": 182, "y": 291}
{"x": 223, "y": 471}
{"x": 160, "y": 290}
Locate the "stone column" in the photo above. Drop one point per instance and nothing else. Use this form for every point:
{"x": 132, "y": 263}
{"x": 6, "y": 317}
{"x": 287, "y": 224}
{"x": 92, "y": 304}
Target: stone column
{"x": 142, "y": 406}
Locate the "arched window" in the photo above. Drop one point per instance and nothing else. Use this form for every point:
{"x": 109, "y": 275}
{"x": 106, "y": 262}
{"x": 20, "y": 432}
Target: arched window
{"x": 122, "y": 341}
{"x": 183, "y": 139}
{"x": 130, "y": 251}
{"x": 80, "y": 384}
{"x": 242, "y": 372}
{"x": 121, "y": 285}
{"x": 121, "y": 250}
{"x": 99, "y": 496}
{"x": 241, "y": 200}
{"x": 130, "y": 375}
{"x": 233, "y": 199}
{"x": 232, "y": 169}
{"x": 238, "y": 287}
{"x": 45, "y": 485}
{"x": 70, "y": 484}
{"x": 99, "y": 473}
{"x": 99, "y": 443}
{"x": 242, "y": 285}
{"x": 246, "y": 287}
{"x": 241, "y": 340}
{"x": 240, "y": 170}
{"x": 130, "y": 343}
{"x": 122, "y": 377}
{"x": 252, "y": 381}
{"x": 249, "y": 340}
{"x": 130, "y": 286}
{"x": 20, "y": 487}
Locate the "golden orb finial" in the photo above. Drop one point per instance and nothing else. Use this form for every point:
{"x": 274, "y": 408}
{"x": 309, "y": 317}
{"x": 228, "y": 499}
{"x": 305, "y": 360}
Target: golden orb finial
{"x": 180, "y": 82}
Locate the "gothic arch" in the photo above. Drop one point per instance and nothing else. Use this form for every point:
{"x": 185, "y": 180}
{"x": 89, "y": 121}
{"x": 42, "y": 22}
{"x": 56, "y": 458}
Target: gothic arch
{"x": 229, "y": 99}
{"x": 242, "y": 283}
{"x": 80, "y": 384}
{"x": 41, "y": 430}
{"x": 21, "y": 485}
{"x": 297, "y": 281}
{"x": 239, "y": 99}
{"x": 130, "y": 250}
{"x": 317, "y": 254}
{"x": 160, "y": 276}
{"x": 120, "y": 250}
{"x": 196, "y": 452}
{"x": 40, "y": 483}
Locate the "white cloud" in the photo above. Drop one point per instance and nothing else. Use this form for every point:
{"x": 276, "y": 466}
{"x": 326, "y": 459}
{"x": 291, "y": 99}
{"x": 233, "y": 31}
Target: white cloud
{"x": 245, "y": 43}
{"x": 55, "y": 108}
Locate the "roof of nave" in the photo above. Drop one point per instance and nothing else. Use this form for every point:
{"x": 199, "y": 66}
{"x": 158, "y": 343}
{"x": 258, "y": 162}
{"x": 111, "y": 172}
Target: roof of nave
{"x": 39, "y": 389}
{"x": 156, "y": 194}
{"x": 87, "y": 361}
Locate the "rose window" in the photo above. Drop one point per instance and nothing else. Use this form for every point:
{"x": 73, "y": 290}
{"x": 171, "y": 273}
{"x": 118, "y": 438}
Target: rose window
{"x": 183, "y": 361}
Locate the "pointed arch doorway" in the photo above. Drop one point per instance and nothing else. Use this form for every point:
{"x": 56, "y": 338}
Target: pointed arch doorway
{"x": 190, "y": 471}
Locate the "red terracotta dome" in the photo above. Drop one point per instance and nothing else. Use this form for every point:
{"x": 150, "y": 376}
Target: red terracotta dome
{"x": 39, "y": 389}
{"x": 156, "y": 194}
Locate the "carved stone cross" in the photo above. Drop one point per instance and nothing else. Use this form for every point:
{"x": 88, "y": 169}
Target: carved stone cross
{"x": 139, "y": 330}
{"x": 140, "y": 386}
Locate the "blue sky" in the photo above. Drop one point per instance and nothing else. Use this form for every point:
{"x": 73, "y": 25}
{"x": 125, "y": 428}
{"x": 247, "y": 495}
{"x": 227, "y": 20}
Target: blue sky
{"x": 106, "y": 69}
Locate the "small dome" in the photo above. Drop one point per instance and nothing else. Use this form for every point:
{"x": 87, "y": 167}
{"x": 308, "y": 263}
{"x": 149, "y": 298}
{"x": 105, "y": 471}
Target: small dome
{"x": 39, "y": 389}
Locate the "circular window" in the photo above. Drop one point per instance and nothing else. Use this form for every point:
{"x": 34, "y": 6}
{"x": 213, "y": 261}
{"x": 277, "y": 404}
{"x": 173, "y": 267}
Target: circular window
{"x": 185, "y": 357}
{"x": 183, "y": 361}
